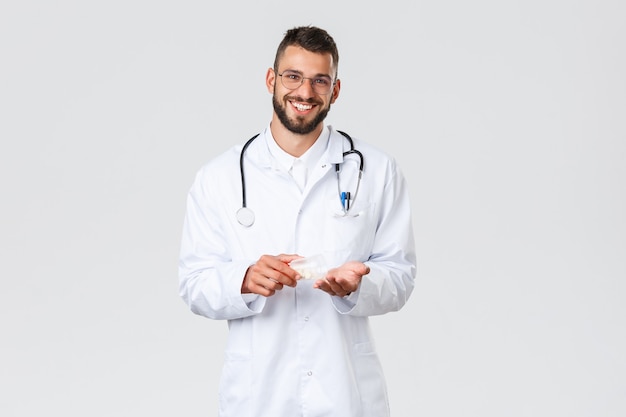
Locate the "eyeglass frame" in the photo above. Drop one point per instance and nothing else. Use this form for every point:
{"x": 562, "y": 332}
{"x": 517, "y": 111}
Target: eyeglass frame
{"x": 311, "y": 79}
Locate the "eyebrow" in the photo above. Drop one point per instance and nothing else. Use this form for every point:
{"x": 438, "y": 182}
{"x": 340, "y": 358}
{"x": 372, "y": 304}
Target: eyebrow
{"x": 315, "y": 76}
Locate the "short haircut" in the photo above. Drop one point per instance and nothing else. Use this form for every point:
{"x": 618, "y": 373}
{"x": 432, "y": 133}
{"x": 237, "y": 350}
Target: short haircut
{"x": 312, "y": 39}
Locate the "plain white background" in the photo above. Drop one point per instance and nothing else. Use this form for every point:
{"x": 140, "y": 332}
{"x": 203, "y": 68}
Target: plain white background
{"x": 508, "y": 119}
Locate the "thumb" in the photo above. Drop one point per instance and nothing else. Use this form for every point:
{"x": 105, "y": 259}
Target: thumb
{"x": 360, "y": 268}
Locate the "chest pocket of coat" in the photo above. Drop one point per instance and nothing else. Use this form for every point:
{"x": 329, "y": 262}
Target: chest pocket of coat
{"x": 350, "y": 236}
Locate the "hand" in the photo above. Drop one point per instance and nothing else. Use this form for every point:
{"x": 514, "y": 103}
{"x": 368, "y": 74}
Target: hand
{"x": 343, "y": 280}
{"x": 269, "y": 274}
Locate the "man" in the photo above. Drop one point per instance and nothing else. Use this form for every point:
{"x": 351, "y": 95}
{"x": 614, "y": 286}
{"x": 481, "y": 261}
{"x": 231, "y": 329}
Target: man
{"x": 296, "y": 346}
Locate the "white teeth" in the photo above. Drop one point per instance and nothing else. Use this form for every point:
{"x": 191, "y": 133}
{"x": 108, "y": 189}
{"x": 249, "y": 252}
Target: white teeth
{"x": 302, "y": 107}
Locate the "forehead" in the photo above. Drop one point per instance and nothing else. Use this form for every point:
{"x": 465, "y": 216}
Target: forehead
{"x": 307, "y": 62}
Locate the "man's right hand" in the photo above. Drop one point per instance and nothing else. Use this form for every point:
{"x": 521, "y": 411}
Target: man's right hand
{"x": 269, "y": 274}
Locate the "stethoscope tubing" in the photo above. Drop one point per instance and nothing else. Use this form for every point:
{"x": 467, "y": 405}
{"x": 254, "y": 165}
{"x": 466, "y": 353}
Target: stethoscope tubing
{"x": 243, "y": 180}
{"x": 245, "y": 216}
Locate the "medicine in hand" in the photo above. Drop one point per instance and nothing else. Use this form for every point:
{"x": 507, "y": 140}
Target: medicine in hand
{"x": 312, "y": 267}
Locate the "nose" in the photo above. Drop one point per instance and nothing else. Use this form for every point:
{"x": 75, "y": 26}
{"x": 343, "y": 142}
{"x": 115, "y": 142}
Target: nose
{"x": 306, "y": 88}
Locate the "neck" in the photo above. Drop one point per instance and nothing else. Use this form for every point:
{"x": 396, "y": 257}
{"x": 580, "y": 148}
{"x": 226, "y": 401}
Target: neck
{"x": 293, "y": 143}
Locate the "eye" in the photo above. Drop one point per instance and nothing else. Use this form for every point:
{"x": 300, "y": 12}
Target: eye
{"x": 292, "y": 76}
{"x": 322, "y": 81}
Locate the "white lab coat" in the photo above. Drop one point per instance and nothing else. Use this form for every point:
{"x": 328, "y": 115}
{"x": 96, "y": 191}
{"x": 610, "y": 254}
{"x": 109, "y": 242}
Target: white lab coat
{"x": 300, "y": 352}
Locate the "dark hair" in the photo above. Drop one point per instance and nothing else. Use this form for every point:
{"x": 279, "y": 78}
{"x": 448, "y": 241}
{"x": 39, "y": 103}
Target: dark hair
{"x": 312, "y": 39}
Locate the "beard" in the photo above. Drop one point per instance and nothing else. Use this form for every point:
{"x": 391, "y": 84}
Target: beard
{"x": 298, "y": 125}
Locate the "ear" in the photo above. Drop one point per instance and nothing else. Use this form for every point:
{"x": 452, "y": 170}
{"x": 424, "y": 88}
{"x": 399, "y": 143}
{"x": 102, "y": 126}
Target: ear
{"x": 270, "y": 80}
{"x": 335, "y": 93}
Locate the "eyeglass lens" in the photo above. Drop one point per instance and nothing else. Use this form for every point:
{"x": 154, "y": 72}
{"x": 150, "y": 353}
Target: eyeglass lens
{"x": 293, "y": 80}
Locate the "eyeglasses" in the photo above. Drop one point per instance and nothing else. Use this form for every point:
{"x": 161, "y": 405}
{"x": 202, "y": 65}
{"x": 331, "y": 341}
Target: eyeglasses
{"x": 292, "y": 80}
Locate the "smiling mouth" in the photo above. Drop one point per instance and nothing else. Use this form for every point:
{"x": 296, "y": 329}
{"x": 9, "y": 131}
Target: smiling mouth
{"x": 301, "y": 106}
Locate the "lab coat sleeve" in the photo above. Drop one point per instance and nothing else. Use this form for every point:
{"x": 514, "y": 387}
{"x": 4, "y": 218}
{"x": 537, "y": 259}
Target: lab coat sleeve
{"x": 209, "y": 280}
{"x": 392, "y": 262}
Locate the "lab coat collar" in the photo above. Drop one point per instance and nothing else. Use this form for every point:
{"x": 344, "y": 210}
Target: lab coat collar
{"x": 310, "y": 158}
{"x": 337, "y": 145}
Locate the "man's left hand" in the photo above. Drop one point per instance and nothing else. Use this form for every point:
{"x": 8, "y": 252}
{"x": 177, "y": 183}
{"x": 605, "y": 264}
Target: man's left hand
{"x": 343, "y": 280}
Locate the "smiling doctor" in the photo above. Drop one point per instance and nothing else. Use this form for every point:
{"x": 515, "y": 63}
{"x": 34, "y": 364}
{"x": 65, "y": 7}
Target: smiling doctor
{"x": 299, "y": 189}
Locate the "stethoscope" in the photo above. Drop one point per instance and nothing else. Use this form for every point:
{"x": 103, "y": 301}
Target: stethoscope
{"x": 245, "y": 216}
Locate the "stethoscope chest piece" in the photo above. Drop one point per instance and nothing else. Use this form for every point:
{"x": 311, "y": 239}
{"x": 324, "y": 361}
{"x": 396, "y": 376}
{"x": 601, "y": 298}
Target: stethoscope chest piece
{"x": 245, "y": 217}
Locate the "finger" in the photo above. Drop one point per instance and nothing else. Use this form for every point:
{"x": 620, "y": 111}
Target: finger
{"x": 322, "y": 284}
{"x": 272, "y": 284}
{"x": 281, "y": 278}
{"x": 261, "y": 290}
{"x": 358, "y": 268}
{"x": 281, "y": 272}
{"x": 285, "y": 275}
{"x": 346, "y": 285}
{"x": 287, "y": 258}
{"x": 336, "y": 287}
{"x": 268, "y": 282}
{"x": 264, "y": 272}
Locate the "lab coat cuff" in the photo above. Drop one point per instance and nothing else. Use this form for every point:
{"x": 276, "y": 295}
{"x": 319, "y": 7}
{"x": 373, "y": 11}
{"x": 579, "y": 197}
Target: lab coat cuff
{"x": 344, "y": 305}
{"x": 253, "y": 302}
